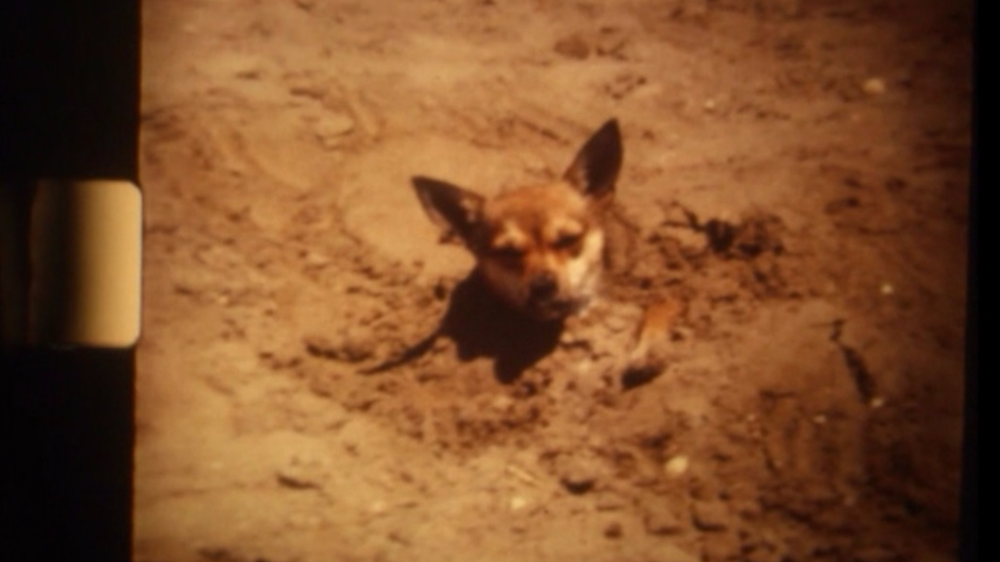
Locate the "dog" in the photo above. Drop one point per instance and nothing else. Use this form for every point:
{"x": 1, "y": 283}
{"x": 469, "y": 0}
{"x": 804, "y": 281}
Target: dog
{"x": 540, "y": 248}
{"x": 543, "y": 249}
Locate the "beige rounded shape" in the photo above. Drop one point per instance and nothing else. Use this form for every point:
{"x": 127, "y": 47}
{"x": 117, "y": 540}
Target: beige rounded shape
{"x": 86, "y": 264}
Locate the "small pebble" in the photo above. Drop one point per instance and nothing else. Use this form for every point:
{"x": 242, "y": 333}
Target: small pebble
{"x": 300, "y": 473}
{"x": 502, "y": 403}
{"x": 574, "y": 47}
{"x": 332, "y": 128}
{"x": 378, "y": 507}
{"x": 518, "y": 503}
{"x": 613, "y": 530}
{"x": 659, "y": 520}
{"x": 677, "y": 466}
{"x": 578, "y": 475}
{"x": 874, "y": 86}
{"x": 316, "y": 259}
{"x": 711, "y": 515}
{"x": 578, "y": 482}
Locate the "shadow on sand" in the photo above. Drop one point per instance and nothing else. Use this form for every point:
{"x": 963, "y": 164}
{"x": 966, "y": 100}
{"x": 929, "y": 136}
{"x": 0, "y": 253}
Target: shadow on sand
{"x": 483, "y": 326}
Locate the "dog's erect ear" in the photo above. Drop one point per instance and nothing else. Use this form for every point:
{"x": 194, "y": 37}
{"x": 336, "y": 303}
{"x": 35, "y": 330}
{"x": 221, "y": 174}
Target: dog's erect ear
{"x": 595, "y": 168}
{"x": 454, "y": 209}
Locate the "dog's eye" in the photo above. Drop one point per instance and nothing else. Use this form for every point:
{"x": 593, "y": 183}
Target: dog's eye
{"x": 508, "y": 252}
{"x": 567, "y": 241}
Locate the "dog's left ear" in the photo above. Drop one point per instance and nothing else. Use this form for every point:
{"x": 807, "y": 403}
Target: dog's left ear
{"x": 456, "y": 210}
{"x": 595, "y": 169}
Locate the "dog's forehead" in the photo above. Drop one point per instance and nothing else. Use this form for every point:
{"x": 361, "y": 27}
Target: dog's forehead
{"x": 539, "y": 208}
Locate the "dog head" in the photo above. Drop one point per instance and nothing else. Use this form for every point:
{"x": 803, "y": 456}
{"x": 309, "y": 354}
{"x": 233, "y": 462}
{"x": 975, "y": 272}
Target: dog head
{"x": 540, "y": 248}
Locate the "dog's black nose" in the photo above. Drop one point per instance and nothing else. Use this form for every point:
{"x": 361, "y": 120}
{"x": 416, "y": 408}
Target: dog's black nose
{"x": 543, "y": 285}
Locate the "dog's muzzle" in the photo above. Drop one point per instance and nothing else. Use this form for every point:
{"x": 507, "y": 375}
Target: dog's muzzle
{"x": 544, "y": 301}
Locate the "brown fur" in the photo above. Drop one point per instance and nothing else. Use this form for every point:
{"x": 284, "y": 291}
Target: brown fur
{"x": 542, "y": 248}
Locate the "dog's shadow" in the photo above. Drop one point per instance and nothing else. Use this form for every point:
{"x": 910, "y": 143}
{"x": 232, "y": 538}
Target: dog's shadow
{"x": 481, "y": 325}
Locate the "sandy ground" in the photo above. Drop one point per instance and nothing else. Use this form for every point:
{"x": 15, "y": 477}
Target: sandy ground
{"x": 811, "y": 407}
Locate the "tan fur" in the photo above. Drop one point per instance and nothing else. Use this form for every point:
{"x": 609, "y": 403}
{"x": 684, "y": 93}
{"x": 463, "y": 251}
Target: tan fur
{"x": 541, "y": 248}
{"x": 538, "y": 232}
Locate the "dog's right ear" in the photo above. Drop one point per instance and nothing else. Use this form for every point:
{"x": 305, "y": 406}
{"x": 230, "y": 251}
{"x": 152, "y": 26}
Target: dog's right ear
{"x": 595, "y": 169}
{"x": 458, "y": 211}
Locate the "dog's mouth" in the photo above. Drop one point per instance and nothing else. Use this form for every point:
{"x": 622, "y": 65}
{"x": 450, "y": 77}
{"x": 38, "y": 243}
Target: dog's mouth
{"x": 548, "y": 309}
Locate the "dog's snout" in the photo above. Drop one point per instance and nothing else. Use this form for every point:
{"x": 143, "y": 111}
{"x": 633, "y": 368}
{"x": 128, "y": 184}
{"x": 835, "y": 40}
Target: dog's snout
{"x": 544, "y": 285}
